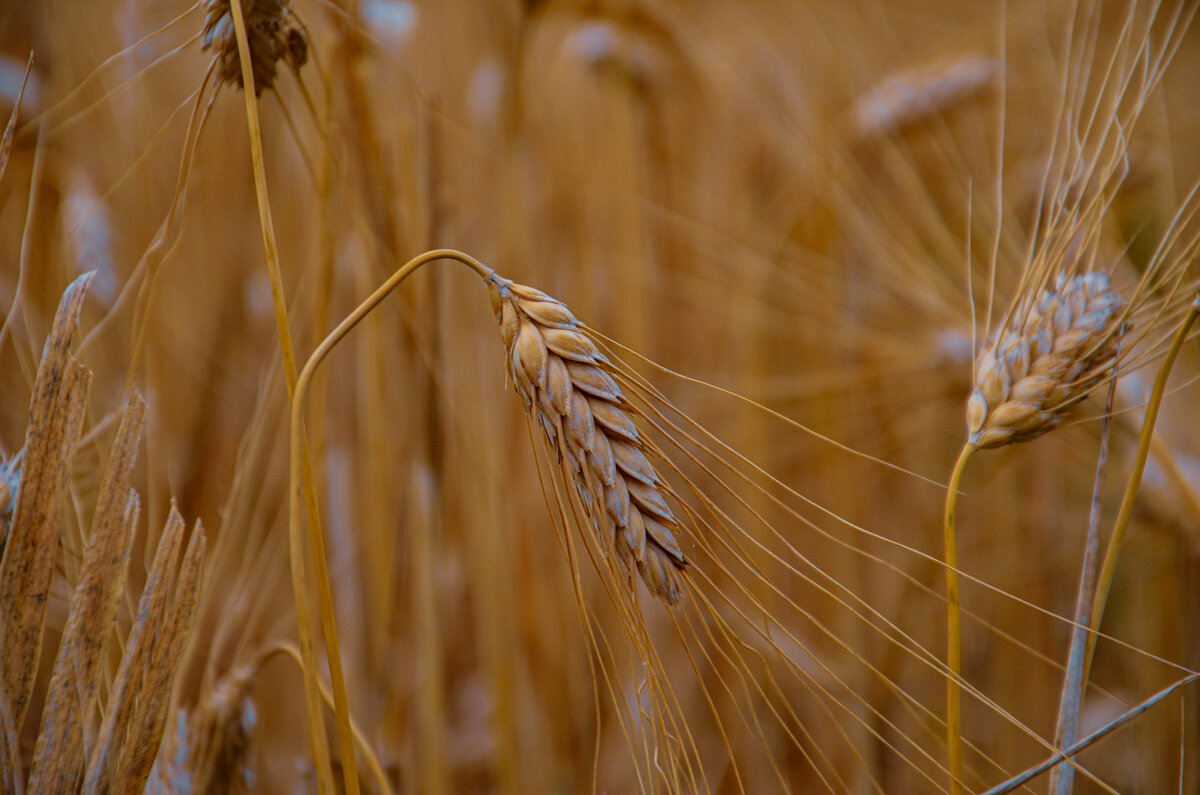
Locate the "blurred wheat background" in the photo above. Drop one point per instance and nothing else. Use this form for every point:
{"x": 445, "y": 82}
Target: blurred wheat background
{"x": 806, "y": 204}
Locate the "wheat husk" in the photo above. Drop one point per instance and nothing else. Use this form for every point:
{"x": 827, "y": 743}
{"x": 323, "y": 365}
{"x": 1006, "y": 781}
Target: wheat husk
{"x": 154, "y": 700}
{"x": 219, "y": 734}
{"x": 55, "y": 417}
{"x": 273, "y": 33}
{"x": 111, "y": 762}
{"x": 59, "y": 759}
{"x": 568, "y": 389}
{"x": 1050, "y": 354}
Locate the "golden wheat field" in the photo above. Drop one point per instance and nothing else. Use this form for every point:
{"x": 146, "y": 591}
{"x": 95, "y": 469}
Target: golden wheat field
{"x": 665, "y": 396}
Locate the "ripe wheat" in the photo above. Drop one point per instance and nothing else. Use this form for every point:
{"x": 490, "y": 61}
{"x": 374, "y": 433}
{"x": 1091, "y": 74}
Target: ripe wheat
{"x": 567, "y": 385}
{"x": 1044, "y": 360}
{"x": 273, "y": 33}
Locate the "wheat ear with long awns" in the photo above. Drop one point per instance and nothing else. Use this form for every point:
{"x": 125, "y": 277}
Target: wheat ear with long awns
{"x": 566, "y": 384}
{"x": 1051, "y": 350}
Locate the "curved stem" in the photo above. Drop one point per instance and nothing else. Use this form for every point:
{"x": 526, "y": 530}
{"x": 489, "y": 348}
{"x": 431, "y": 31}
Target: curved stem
{"x": 297, "y": 492}
{"x": 954, "y": 627}
{"x": 372, "y": 761}
{"x": 1109, "y": 567}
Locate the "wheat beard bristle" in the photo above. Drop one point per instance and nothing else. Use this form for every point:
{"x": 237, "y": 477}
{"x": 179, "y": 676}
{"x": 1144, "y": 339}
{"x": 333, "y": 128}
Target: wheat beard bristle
{"x": 1047, "y": 358}
{"x": 272, "y": 34}
{"x": 565, "y": 384}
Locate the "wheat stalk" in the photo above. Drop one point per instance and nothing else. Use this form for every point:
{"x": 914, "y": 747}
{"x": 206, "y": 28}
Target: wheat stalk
{"x": 1052, "y": 349}
{"x": 566, "y": 386}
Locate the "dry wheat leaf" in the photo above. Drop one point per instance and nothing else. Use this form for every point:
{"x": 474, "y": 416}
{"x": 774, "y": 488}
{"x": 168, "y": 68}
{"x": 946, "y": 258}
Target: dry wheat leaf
{"x": 11, "y": 128}
{"x": 59, "y": 755}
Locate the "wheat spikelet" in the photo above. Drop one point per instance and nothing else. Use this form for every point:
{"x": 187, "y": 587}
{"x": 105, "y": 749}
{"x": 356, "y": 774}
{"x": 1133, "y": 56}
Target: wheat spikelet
{"x": 1049, "y": 354}
{"x": 565, "y": 383}
{"x": 273, "y": 34}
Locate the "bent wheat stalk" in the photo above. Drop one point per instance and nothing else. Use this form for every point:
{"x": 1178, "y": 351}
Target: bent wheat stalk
{"x": 567, "y": 386}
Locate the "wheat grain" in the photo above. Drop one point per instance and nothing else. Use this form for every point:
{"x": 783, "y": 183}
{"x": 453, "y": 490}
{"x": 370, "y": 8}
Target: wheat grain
{"x": 273, "y": 34}
{"x": 1045, "y": 360}
{"x": 567, "y": 387}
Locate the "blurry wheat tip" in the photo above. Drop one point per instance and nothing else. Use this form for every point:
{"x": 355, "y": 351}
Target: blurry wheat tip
{"x": 567, "y": 385}
{"x": 274, "y": 34}
{"x": 1052, "y": 350}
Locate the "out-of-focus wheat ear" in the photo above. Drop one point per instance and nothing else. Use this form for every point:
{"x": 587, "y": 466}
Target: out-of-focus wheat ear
{"x": 55, "y": 417}
{"x": 154, "y": 701}
{"x": 906, "y": 98}
{"x": 219, "y": 733}
{"x": 58, "y": 759}
{"x": 107, "y": 768}
{"x": 273, "y": 34}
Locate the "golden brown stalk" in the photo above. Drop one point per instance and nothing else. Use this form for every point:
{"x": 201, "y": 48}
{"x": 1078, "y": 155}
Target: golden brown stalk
{"x": 274, "y": 34}
{"x": 1044, "y": 360}
{"x": 55, "y": 416}
{"x": 568, "y": 389}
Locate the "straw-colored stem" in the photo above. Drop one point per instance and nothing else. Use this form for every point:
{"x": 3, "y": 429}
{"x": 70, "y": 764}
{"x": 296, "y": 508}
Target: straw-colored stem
{"x": 1108, "y": 568}
{"x": 324, "y": 768}
{"x": 954, "y": 628}
{"x": 296, "y": 480}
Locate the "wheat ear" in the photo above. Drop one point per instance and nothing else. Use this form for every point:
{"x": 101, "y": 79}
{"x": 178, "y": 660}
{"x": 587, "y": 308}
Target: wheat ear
{"x": 273, "y": 34}
{"x": 568, "y": 389}
{"x": 1045, "y": 359}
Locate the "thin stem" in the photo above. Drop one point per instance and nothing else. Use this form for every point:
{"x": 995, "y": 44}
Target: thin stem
{"x": 954, "y": 628}
{"x": 324, "y": 768}
{"x": 1062, "y": 777}
{"x": 1065, "y": 754}
{"x": 1108, "y": 568}
{"x": 297, "y": 481}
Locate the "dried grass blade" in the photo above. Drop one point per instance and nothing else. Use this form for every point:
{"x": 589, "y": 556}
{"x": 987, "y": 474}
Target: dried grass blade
{"x": 6, "y": 143}
{"x": 155, "y": 697}
{"x": 107, "y": 765}
{"x": 26, "y": 569}
{"x": 59, "y": 760}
